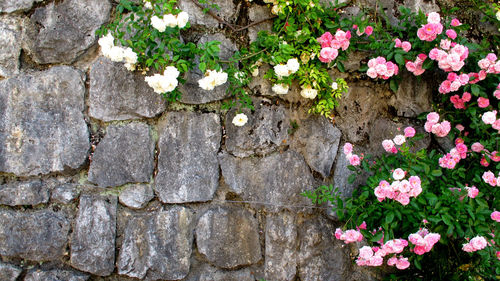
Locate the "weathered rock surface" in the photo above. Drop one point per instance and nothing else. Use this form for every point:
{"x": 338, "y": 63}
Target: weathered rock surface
{"x": 188, "y": 170}
{"x": 124, "y": 155}
{"x": 118, "y": 94}
{"x": 65, "y": 193}
{"x": 265, "y": 131}
{"x": 93, "y": 237}
{"x": 42, "y": 124}
{"x": 191, "y": 91}
{"x": 262, "y": 86}
{"x": 257, "y": 13}
{"x": 228, "y": 237}
{"x": 281, "y": 247}
{"x": 227, "y": 11}
{"x": 24, "y": 193}
{"x": 61, "y": 31}
{"x": 158, "y": 245}
{"x": 136, "y": 196}
{"x": 277, "y": 179}
{"x": 413, "y": 96}
{"x": 318, "y": 141}
{"x": 9, "y": 272}
{"x": 37, "y": 236}
{"x": 11, "y": 34}
{"x": 56, "y": 275}
{"x": 214, "y": 274}
{"x": 9, "y": 6}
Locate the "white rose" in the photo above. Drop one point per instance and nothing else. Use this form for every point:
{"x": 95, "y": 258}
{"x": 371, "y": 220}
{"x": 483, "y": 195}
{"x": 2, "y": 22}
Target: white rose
{"x": 281, "y": 70}
{"x": 106, "y": 42}
{"x": 147, "y": 5}
{"x": 129, "y": 56}
{"x": 168, "y": 84}
{"x": 116, "y": 54}
{"x": 335, "y": 86}
{"x": 170, "y": 20}
{"x": 280, "y": 89}
{"x": 293, "y": 65}
{"x": 240, "y": 119}
{"x": 399, "y": 139}
{"x": 220, "y": 78}
{"x": 171, "y": 71}
{"x": 154, "y": 82}
{"x": 130, "y": 66}
{"x": 158, "y": 23}
{"x": 182, "y": 19}
{"x": 255, "y": 72}
{"x": 207, "y": 83}
{"x": 498, "y": 15}
{"x": 308, "y": 92}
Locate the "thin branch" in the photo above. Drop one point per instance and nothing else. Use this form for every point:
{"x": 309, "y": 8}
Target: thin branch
{"x": 255, "y": 23}
{"x": 219, "y": 19}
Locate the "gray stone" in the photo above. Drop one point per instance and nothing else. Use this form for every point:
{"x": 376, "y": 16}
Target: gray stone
{"x": 227, "y": 11}
{"x": 210, "y": 273}
{"x": 413, "y": 97}
{"x": 257, "y": 13}
{"x": 9, "y": 6}
{"x": 37, "y": 236}
{"x": 422, "y": 5}
{"x": 191, "y": 91}
{"x": 61, "y": 31}
{"x": 228, "y": 237}
{"x": 11, "y": 35}
{"x": 136, "y": 196}
{"x": 9, "y": 272}
{"x": 24, "y": 193}
{"x": 125, "y": 154}
{"x": 277, "y": 179}
{"x": 342, "y": 173}
{"x": 158, "y": 245}
{"x": 265, "y": 131}
{"x": 262, "y": 86}
{"x": 65, "y": 193}
{"x": 118, "y": 94}
{"x": 318, "y": 141}
{"x": 281, "y": 247}
{"x": 188, "y": 170}
{"x": 93, "y": 237}
{"x": 42, "y": 128}
{"x": 56, "y": 275}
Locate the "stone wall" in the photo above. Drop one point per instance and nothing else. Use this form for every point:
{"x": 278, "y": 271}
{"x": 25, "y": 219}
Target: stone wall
{"x": 101, "y": 179}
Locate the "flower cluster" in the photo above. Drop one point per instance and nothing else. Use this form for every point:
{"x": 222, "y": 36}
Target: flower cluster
{"x": 452, "y": 59}
{"x": 180, "y": 20}
{"x": 415, "y": 67}
{"x": 433, "y": 126}
{"x": 490, "y": 64}
{"x": 451, "y": 159}
{"x": 453, "y": 82}
{"x": 285, "y": 70}
{"x": 116, "y": 53}
{"x": 400, "y": 263}
{"x": 374, "y": 256}
{"x": 390, "y": 145}
{"x": 405, "y": 45}
{"x": 400, "y": 189}
{"x": 489, "y": 178}
{"x": 475, "y": 244}
{"x": 459, "y": 102}
{"x": 368, "y": 30}
{"x": 330, "y": 44}
{"x": 354, "y": 159}
{"x": 164, "y": 83}
{"x": 349, "y": 236}
{"x": 429, "y": 31}
{"x": 212, "y": 79}
{"x": 380, "y": 68}
{"x": 423, "y": 241}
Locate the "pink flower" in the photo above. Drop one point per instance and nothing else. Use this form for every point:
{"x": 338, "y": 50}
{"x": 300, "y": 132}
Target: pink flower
{"x": 325, "y": 39}
{"x": 477, "y": 147}
{"x": 388, "y": 145}
{"x": 399, "y": 139}
{"x": 455, "y": 22}
{"x": 328, "y": 54}
{"x": 398, "y": 174}
{"x": 402, "y": 263}
{"x": 351, "y": 235}
{"x": 403, "y": 198}
{"x": 392, "y": 261}
{"x": 433, "y": 17}
{"x": 406, "y": 46}
{"x": 467, "y": 248}
{"x": 411, "y": 66}
{"x": 483, "y": 102}
{"x": 347, "y": 148}
{"x": 338, "y": 233}
{"x": 451, "y": 33}
{"x": 362, "y": 225}
{"x": 489, "y": 117}
{"x": 365, "y": 252}
{"x": 433, "y": 117}
{"x": 472, "y": 192}
{"x": 398, "y": 42}
{"x": 354, "y": 160}
{"x": 445, "y": 44}
{"x": 369, "y": 30}
{"x": 409, "y": 132}
{"x": 495, "y": 216}
{"x": 478, "y": 243}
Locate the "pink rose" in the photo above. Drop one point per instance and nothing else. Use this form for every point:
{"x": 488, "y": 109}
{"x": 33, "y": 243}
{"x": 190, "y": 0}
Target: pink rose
{"x": 399, "y": 139}
{"x": 354, "y": 160}
{"x": 477, "y": 147}
{"x": 398, "y": 174}
{"x": 467, "y": 248}
{"x": 495, "y": 216}
{"x": 483, "y": 102}
{"x": 409, "y": 132}
{"x": 402, "y": 263}
{"x": 403, "y": 198}
{"x": 369, "y": 30}
{"x": 365, "y": 252}
{"x": 411, "y": 66}
{"x": 466, "y": 96}
{"x": 433, "y": 117}
{"x": 347, "y": 148}
{"x": 484, "y": 63}
{"x": 338, "y": 233}
{"x": 325, "y": 39}
{"x": 455, "y": 22}
{"x": 478, "y": 243}
{"x": 451, "y": 33}
{"x": 371, "y": 72}
{"x": 472, "y": 192}
{"x": 491, "y": 57}
{"x": 489, "y": 117}
{"x": 433, "y": 17}
{"x": 406, "y": 46}
{"x": 445, "y": 44}
{"x": 398, "y": 42}
{"x": 328, "y": 54}
{"x": 392, "y": 261}
{"x": 388, "y": 145}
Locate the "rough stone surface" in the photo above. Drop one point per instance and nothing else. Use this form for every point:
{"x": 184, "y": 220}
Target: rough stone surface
{"x": 262, "y": 86}
{"x": 125, "y": 154}
{"x": 24, "y": 193}
{"x": 228, "y": 237}
{"x": 188, "y": 170}
{"x": 191, "y": 91}
{"x": 265, "y": 131}
{"x": 42, "y": 129}
{"x": 61, "y": 31}
{"x": 65, "y": 193}
{"x": 136, "y": 196}
{"x": 214, "y": 274}
{"x": 281, "y": 247}
{"x": 11, "y": 34}
{"x": 158, "y": 245}
{"x": 277, "y": 179}
{"x": 318, "y": 141}
{"x": 257, "y": 13}
{"x": 227, "y": 12}
{"x": 9, "y": 272}
{"x": 37, "y": 236}
{"x": 118, "y": 94}
{"x": 9, "y": 6}
{"x": 413, "y": 96}
{"x": 93, "y": 237}
{"x": 56, "y": 275}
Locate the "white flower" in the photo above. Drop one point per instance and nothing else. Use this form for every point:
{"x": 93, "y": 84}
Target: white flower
{"x": 398, "y": 174}
{"x": 280, "y": 89}
{"x": 171, "y": 71}
{"x": 162, "y": 83}
{"x": 130, "y": 66}
{"x": 220, "y": 78}
{"x": 182, "y": 19}
{"x": 281, "y": 70}
{"x": 308, "y": 92}
{"x": 240, "y": 76}
{"x": 498, "y": 15}
{"x": 158, "y": 23}
{"x": 129, "y": 56}
{"x": 115, "y": 54}
{"x": 147, "y": 4}
{"x": 106, "y": 42}
{"x": 207, "y": 83}
{"x": 170, "y": 20}
{"x": 240, "y": 119}
{"x": 293, "y": 65}
{"x": 212, "y": 79}
{"x": 335, "y": 86}
{"x": 255, "y": 72}
{"x": 399, "y": 139}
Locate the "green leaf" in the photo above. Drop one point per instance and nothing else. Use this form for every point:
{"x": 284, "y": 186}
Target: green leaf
{"x": 351, "y": 178}
{"x": 340, "y": 66}
{"x": 475, "y": 89}
{"x": 431, "y": 198}
{"x": 427, "y": 64}
{"x": 377, "y": 236}
{"x": 389, "y": 217}
{"x": 399, "y": 59}
{"x": 394, "y": 85}
{"x": 437, "y": 173}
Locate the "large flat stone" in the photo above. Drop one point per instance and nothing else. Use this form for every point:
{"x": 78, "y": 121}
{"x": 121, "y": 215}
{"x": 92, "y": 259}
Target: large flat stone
{"x": 64, "y": 193}
{"x": 61, "y": 31}
{"x": 226, "y": 11}
{"x": 42, "y": 128}
{"x": 281, "y": 247}
{"x": 9, "y": 272}
{"x": 318, "y": 141}
{"x": 24, "y": 193}
{"x": 158, "y": 245}
{"x": 211, "y": 273}
{"x": 136, "y": 196}
{"x": 37, "y": 236}
{"x": 228, "y": 237}
{"x": 93, "y": 237}
{"x": 413, "y": 97}
{"x": 265, "y": 131}
{"x": 276, "y": 180}
{"x": 124, "y": 155}
{"x": 118, "y": 94}
{"x": 11, "y": 36}
{"x": 188, "y": 170}
{"x": 55, "y": 275}
{"x": 257, "y": 13}
{"x": 9, "y": 6}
